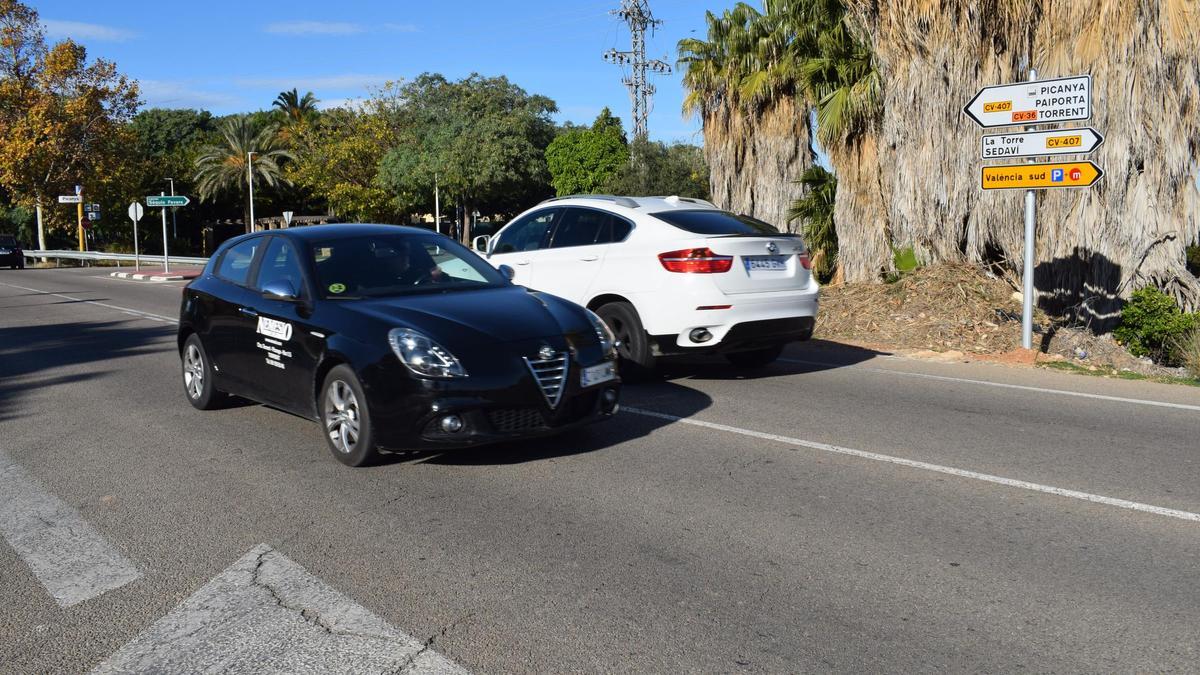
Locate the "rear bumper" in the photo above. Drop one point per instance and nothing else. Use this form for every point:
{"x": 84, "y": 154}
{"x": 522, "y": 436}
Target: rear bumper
{"x": 745, "y": 337}
{"x": 10, "y": 259}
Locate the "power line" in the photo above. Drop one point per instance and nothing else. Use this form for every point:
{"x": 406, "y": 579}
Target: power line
{"x": 636, "y": 14}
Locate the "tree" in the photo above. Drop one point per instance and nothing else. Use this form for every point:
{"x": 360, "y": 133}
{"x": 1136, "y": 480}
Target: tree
{"x": 222, "y": 168}
{"x": 815, "y": 212}
{"x": 582, "y": 159}
{"x": 1093, "y": 246}
{"x": 338, "y": 158}
{"x": 744, "y": 81}
{"x": 63, "y": 120}
{"x": 295, "y": 107}
{"x": 483, "y": 138}
{"x": 658, "y": 169}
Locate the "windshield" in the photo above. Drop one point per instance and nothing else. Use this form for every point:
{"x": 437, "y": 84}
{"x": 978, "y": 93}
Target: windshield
{"x": 380, "y": 265}
{"x": 715, "y": 223}
{"x": 7, "y": 241}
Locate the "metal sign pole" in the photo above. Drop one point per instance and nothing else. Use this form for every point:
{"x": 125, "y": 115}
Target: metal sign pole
{"x": 166, "y": 256}
{"x": 1030, "y": 233}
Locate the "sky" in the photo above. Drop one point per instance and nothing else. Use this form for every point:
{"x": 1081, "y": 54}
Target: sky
{"x": 229, "y": 57}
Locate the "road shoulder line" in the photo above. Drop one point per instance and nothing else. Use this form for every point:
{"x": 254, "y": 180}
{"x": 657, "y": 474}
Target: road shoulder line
{"x": 926, "y": 466}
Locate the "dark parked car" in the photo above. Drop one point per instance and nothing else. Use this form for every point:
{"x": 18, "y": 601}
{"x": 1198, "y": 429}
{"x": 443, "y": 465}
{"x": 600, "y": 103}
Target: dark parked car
{"x": 11, "y": 253}
{"x": 391, "y": 337}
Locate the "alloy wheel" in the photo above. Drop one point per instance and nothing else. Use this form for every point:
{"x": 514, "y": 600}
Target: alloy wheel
{"x": 341, "y": 416}
{"x": 193, "y": 372}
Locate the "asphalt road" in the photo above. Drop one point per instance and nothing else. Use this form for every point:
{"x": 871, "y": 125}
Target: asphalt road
{"x": 842, "y": 511}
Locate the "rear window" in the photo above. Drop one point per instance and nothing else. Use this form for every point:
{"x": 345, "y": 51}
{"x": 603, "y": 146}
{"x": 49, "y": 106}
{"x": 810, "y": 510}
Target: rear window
{"x": 715, "y": 223}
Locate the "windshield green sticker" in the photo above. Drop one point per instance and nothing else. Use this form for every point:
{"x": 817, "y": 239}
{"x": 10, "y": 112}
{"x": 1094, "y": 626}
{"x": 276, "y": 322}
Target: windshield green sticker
{"x": 337, "y": 288}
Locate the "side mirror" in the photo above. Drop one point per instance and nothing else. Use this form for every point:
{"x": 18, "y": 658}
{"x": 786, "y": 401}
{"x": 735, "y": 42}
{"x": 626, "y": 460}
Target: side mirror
{"x": 481, "y": 242}
{"x": 281, "y": 290}
{"x": 508, "y": 272}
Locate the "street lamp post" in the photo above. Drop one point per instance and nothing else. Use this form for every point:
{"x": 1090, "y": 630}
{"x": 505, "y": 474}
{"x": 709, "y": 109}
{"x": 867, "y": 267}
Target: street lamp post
{"x": 250, "y": 181}
{"x": 174, "y": 225}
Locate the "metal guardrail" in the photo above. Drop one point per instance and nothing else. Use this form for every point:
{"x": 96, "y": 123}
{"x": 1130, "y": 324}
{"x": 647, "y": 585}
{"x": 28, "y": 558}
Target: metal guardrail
{"x": 117, "y": 257}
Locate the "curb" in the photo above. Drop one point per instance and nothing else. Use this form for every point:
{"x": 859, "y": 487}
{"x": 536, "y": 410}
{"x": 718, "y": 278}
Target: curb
{"x": 147, "y": 277}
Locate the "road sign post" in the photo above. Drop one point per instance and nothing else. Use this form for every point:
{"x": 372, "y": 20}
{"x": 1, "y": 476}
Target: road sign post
{"x": 166, "y": 255}
{"x": 135, "y": 214}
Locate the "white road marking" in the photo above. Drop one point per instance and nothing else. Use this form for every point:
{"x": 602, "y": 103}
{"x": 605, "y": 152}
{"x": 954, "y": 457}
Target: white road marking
{"x": 266, "y": 614}
{"x": 926, "y": 466}
{"x": 71, "y": 560}
{"x": 1003, "y": 385}
{"x": 124, "y": 310}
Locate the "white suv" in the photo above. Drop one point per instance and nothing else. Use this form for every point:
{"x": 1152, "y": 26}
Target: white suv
{"x": 669, "y": 275}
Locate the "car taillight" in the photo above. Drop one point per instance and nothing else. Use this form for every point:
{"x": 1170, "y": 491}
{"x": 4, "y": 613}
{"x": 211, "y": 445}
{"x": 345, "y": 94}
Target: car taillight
{"x": 695, "y": 261}
{"x": 806, "y": 260}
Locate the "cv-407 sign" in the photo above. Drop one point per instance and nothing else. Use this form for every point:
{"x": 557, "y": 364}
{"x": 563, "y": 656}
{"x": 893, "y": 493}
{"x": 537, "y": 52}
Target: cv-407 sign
{"x": 1041, "y": 143}
{"x": 1066, "y": 99}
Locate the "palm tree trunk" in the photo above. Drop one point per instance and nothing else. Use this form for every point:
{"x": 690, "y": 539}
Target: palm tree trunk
{"x": 754, "y": 161}
{"x": 1093, "y": 246}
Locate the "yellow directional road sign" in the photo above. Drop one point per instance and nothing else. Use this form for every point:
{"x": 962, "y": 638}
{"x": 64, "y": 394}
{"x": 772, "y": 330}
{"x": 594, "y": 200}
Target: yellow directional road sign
{"x": 1038, "y": 176}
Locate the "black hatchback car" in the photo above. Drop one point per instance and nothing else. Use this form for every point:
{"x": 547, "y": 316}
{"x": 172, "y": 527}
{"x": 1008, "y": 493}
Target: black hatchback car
{"x": 11, "y": 253}
{"x": 391, "y": 337}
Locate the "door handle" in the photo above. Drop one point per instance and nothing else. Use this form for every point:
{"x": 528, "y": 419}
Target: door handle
{"x": 522, "y": 262}
{"x": 590, "y": 258}
{"x": 247, "y": 312}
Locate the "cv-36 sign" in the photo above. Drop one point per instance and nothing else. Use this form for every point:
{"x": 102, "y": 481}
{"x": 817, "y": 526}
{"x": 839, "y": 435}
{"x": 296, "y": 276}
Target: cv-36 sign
{"x": 1066, "y": 99}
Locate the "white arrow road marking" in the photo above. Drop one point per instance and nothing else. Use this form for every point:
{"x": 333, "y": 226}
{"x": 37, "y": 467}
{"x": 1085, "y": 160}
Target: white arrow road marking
{"x": 266, "y": 614}
{"x": 926, "y": 466}
{"x": 71, "y": 560}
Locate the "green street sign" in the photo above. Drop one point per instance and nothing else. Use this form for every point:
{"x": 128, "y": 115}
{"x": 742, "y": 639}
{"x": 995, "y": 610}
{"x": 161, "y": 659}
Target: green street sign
{"x": 167, "y": 200}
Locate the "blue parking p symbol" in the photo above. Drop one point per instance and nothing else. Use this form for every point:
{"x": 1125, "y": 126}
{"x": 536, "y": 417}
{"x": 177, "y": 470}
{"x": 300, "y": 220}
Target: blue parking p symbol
{"x": 1056, "y": 175}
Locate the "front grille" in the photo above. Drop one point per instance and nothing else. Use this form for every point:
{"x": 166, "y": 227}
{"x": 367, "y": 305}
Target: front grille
{"x": 506, "y": 420}
{"x": 551, "y": 376}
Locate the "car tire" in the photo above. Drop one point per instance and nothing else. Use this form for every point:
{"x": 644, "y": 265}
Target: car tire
{"x": 345, "y": 418}
{"x": 197, "y": 371}
{"x": 758, "y": 358}
{"x": 634, "y": 348}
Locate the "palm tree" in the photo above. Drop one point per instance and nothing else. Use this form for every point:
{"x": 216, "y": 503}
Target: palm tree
{"x": 815, "y": 212}
{"x": 295, "y": 107}
{"x": 1094, "y": 246}
{"x": 222, "y": 168}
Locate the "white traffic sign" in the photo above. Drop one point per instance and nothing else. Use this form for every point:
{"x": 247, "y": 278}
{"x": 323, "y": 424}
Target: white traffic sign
{"x": 1041, "y": 143}
{"x": 287, "y": 218}
{"x": 70, "y": 199}
{"x": 1066, "y": 99}
{"x": 136, "y": 211}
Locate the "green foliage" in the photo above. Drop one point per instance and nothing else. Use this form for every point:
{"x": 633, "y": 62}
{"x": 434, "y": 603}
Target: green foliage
{"x": 1187, "y": 350}
{"x": 582, "y": 159}
{"x": 295, "y": 107}
{"x": 1193, "y": 260}
{"x": 815, "y": 212}
{"x": 222, "y": 167}
{"x": 483, "y": 138}
{"x": 1152, "y": 324}
{"x": 658, "y": 169}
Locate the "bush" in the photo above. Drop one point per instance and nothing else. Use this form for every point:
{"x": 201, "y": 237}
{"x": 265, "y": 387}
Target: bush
{"x": 1152, "y": 324}
{"x": 1187, "y": 350}
{"x": 1193, "y": 260}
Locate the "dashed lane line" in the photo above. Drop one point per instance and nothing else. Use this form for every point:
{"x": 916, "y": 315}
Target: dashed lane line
{"x": 926, "y": 466}
{"x": 267, "y": 614}
{"x": 1004, "y": 385}
{"x": 71, "y": 559}
{"x": 124, "y": 310}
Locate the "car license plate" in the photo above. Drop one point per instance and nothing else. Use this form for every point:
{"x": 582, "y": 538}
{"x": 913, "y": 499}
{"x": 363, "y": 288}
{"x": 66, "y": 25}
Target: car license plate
{"x": 597, "y": 374}
{"x": 765, "y": 262}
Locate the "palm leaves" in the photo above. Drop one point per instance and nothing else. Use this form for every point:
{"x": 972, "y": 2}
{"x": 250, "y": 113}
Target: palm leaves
{"x": 295, "y": 107}
{"x": 222, "y": 168}
{"x": 815, "y": 212}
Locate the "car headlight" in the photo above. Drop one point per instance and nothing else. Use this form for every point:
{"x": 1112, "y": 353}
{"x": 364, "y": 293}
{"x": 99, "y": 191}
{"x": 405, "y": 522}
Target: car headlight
{"x": 608, "y": 341}
{"x": 423, "y": 356}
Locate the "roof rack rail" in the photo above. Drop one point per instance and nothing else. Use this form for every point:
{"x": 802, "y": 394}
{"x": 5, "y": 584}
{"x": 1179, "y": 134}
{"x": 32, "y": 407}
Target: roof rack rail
{"x": 690, "y": 200}
{"x": 627, "y": 202}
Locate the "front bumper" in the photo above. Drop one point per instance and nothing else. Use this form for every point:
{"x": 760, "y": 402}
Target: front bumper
{"x": 492, "y": 408}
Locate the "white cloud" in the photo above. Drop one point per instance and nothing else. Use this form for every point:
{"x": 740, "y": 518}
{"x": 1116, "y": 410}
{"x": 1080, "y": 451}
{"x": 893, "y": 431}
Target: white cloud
{"x": 168, "y": 94}
{"x": 336, "y": 82}
{"x": 315, "y": 28}
{"x": 78, "y": 30}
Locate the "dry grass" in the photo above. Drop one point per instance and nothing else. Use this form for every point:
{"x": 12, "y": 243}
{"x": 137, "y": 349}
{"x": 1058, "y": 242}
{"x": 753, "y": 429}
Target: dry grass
{"x": 1188, "y": 350}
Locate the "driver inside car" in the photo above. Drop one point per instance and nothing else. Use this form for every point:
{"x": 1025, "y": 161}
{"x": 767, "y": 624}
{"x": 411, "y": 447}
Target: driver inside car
{"x": 409, "y": 265}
